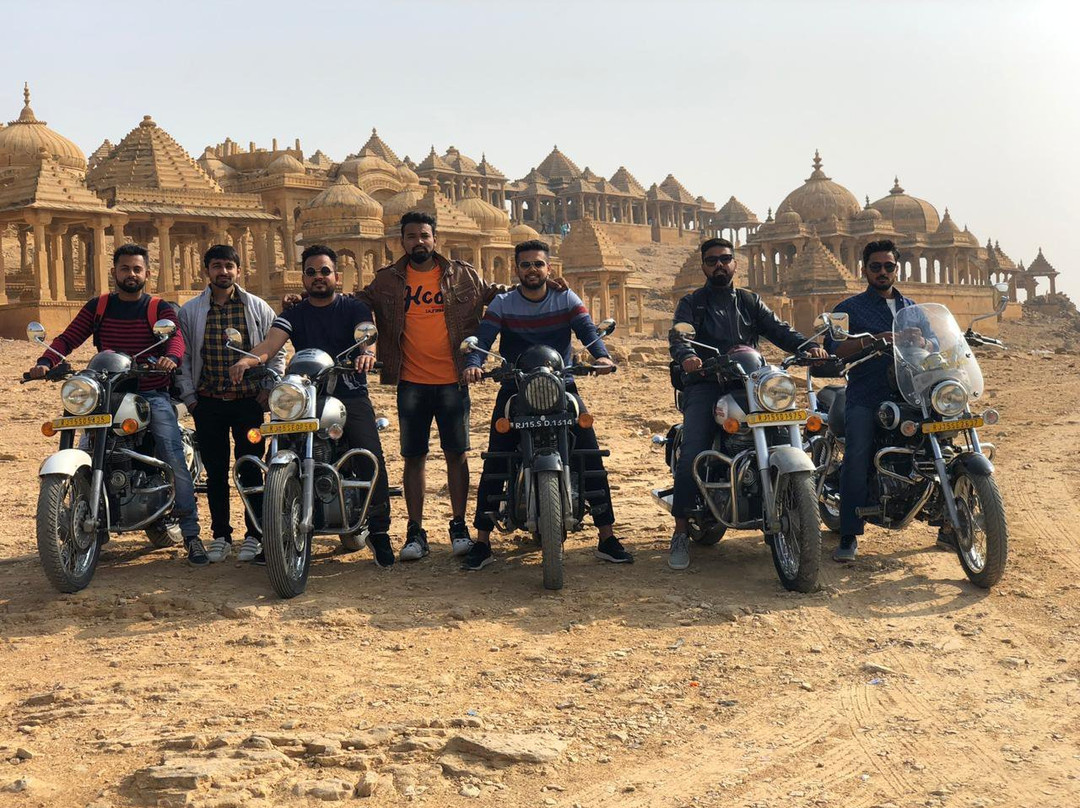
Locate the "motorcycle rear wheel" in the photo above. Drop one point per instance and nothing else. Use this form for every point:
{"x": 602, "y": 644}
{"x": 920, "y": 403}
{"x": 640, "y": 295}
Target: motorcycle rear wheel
{"x": 796, "y": 548}
{"x": 288, "y": 551}
{"x": 69, "y": 554}
{"x": 983, "y": 545}
{"x": 552, "y": 527}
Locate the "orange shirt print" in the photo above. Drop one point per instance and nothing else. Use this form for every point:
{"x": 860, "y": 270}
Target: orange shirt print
{"x": 426, "y": 356}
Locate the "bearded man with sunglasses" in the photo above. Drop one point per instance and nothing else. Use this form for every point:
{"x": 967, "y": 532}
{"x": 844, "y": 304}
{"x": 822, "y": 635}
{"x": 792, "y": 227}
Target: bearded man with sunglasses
{"x": 724, "y": 317}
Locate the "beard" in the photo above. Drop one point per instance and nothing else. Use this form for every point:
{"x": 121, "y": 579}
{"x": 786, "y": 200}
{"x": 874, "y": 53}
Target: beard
{"x": 131, "y": 285}
{"x": 321, "y": 292}
{"x": 419, "y": 255}
{"x": 719, "y": 281}
{"x": 223, "y": 282}
{"x": 533, "y": 282}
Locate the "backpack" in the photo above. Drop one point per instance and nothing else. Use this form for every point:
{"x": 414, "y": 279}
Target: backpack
{"x": 99, "y": 315}
{"x": 697, "y": 300}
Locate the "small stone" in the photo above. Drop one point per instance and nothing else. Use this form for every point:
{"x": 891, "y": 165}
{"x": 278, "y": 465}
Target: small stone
{"x": 550, "y": 801}
{"x": 1013, "y": 662}
{"x": 323, "y": 746}
{"x": 469, "y": 791}
{"x": 816, "y": 649}
{"x": 326, "y": 790}
{"x": 368, "y": 785}
{"x": 458, "y": 613}
{"x": 873, "y": 667}
{"x": 809, "y": 688}
{"x": 22, "y": 753}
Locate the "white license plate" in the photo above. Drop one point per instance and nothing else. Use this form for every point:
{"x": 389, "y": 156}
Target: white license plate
{"x": 533, "y": 422}
{"x": 76, "y": 421}
{"x": 289, "y": 427}
{"x": 789, "y": 417}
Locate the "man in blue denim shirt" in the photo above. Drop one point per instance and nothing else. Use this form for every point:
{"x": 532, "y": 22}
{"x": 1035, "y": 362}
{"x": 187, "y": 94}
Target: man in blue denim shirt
{"x": 868, "y": 384}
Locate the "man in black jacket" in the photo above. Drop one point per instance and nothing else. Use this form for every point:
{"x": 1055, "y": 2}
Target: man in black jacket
{"x": 723, "y": 317}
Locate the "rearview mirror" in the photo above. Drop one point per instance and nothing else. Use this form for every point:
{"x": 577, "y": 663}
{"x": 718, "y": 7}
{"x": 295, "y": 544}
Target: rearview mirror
{"x": 163, "y": 329}
{"x": 684, "y": 330}
{"x": 365, "y": 333}
{"x": 233, "y": 338}
{"x": 605, "y": 327}
{"x": 838, "y": 325}
{"x": 1002, "y": 287}
{"x": 35, "y": 331}
{"x": 468, "y": 344}
{"x": 382, "y": 423}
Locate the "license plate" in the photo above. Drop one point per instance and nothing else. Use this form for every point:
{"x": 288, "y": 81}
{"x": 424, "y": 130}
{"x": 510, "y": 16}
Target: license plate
{"x": 289, "y": 427}
{"x": 952, "y": 426}
{"x": 76, "y": 421}
{"x": 789, "y": 417}
{"x": 532, "y": 422}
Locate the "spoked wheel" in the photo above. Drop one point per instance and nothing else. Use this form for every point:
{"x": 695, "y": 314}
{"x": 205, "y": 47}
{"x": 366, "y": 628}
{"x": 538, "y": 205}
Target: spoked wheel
{"x": 983, "y": 540}
{"x": 829, "y": 504}
{"x": 69, "y": 552}
{"x": 287, "y": 548}
{"x": 552, "y": 527}
{"x": 796, "y": 548}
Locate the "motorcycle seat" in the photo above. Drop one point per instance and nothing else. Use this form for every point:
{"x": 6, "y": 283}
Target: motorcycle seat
{"x": 836, "y": 412}
{"x": 827, "y": 395}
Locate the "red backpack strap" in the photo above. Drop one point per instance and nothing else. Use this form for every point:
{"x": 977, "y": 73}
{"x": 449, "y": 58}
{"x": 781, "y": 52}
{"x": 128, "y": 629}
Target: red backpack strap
{"x": 152, "y": 310}
{"x": 99, "y": 315}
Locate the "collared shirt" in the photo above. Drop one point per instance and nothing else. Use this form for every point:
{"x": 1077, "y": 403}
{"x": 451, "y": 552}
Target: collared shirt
{"x": 216, "y": 357}
{"x": 868, "y": 384}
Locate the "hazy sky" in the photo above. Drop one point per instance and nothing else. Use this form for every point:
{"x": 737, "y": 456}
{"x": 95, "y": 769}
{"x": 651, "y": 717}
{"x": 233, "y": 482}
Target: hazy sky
{"x": 974, "y": 105}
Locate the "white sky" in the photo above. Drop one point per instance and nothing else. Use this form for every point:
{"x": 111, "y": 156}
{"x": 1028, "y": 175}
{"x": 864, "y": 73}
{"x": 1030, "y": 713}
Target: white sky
{"x": 975, "y": 105}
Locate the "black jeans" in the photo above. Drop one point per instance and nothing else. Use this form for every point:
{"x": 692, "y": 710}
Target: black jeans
{"x": 599, "y": 505}
{"x": 214, "y": 420}
{"x": 360, "y": 433}
{"x": 699, "y": 429}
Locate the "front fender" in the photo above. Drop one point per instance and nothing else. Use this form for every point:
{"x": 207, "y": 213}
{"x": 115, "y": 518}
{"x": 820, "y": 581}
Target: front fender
{"x": 66, "y": 461}
{"x": 788, "y": 459}
{"x": 284, "y": 458}
{"x": 978, "y": 465}
{"x": 547, "y": 462}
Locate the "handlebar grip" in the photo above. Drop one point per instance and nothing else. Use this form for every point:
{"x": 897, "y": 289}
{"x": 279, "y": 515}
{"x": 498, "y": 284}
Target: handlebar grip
{"x": 377, "y": 366}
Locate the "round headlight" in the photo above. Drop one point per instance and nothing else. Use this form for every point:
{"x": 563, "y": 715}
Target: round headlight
{"x": 80, "y": 395}
{"x": 776, "y": 392}
{"x": 288, "y": 401}
{"x": 543, "y": 391}
{"x": 949, "y": 399}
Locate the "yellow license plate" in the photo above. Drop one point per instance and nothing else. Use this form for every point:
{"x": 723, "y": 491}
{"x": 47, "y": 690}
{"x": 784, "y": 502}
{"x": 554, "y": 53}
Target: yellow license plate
{"x": 952, "y": 426}
{"x": 790, "y": 417}
{"x": 76, "y": 421}
{"x": 289, "y": 427}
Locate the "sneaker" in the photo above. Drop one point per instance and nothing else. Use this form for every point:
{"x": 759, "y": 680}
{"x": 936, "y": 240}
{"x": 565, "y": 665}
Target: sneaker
{"x": 478, "y": 557}
{"x": 260, "y": 559}
{"x": 416, "y": 545}
{"x": 849, "y": 546}
{"x": 250, "y": 549}
{"x": 946, "y": 539}
{"x": 460, "y": 540}
{"x": 196, "y": 553}
{"x": 611, "y": 549}
{"x": 379, "y": 544}
{"x": 679, "y": 553}
{"x": 219, "y": 549}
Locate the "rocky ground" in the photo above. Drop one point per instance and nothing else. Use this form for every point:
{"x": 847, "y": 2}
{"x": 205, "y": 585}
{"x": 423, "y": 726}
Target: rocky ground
{"x": 898, "y": 684}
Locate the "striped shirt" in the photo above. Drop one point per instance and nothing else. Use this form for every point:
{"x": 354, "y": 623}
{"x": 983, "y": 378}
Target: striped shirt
{"x": 124, "y": 328}
{"x": 524, "y": 323}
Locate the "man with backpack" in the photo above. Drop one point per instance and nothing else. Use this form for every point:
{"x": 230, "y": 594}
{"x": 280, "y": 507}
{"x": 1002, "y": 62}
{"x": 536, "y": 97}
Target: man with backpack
{"x": 123, "y": 322}
{"x": 724, "y": 317}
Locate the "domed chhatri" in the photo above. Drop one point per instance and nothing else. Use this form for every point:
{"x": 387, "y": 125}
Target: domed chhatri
{"x": 819, "y": 198}
{"x": 285, "y": 164}
{"x": 22, "y": 141}
{"x": 343, "y": 194}
{"x": 489, "y": 217}
{"x": 907, "y": 214}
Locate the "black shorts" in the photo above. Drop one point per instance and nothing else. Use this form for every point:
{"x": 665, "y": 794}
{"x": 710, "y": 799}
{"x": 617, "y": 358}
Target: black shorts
{"x": 448, "y": 404}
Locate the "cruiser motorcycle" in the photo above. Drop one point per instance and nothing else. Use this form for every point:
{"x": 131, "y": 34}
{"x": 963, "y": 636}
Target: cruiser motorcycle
{"x": 313, "y": 484}
{"x": 546, "y": 482}
{"x": 756, "y": 476}
{"x": 928, "y": 460}
{"x": 112, "y": 482}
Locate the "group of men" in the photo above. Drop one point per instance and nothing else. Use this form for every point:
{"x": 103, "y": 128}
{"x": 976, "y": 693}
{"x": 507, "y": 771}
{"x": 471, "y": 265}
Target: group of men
{"x": 424, "y": 304}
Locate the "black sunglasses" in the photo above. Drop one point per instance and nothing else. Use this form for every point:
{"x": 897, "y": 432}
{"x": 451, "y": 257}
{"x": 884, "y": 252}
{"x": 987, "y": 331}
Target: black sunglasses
{"x": 311, "y": 272}
{"x": 713, "y": 260}
{"x": 877, "y": 266}
{"x": 527, "y": 264}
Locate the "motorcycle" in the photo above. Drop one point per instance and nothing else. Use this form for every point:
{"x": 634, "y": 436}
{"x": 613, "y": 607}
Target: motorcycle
{"x": 111, "y": 482}
{"x": 928, "y": 460}
{"x": 547, "y": 484}
{"x": 756, "y": 476}
{"x": 312, "y": 485}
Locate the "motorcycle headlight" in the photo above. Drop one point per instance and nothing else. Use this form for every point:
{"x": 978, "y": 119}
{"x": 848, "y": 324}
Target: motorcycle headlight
{"x": 776, "y": 392}
{"x": 80, "y": 395}
{"x": 288, "y": 401}
{"x": 949, "y": 399}
{"x": 543, "y": 392}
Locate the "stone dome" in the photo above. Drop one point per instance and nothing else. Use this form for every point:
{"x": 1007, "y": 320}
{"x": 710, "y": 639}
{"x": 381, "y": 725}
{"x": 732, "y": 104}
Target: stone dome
{"x": 285, "y": 164}
{"x": 407, "y": 175}
{"x": 483, "y": 213}
{"x": 401, "y": 203}
{"x": 788, "y": 217}
{"x": 522, "y": 232}
{"x": 869, "y": 213}
{"x": 343, "y": 194}
{"x": 367, "y": 161}
{"x": 22, "y": 141}
{"x": 819, "y": 198}
{"x": 908, "y": 214}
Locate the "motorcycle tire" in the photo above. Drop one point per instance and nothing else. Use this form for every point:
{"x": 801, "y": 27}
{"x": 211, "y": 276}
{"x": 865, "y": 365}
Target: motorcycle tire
{"x": 288, "y": 552}
{"x": 796, "y": 550}
{"x": 985, "y": 556}
{"x": 552, "y": 527}
{"x": 159, "y": 535}
{"x": 63, "y": 502}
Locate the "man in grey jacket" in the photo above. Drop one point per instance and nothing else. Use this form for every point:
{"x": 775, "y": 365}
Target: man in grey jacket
{"x": 217, "y": 405}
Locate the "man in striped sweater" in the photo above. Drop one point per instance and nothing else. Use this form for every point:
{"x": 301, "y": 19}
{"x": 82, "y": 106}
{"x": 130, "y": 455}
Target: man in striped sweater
{"x": 534, "y": 314}
{"x": 125, "y": 327}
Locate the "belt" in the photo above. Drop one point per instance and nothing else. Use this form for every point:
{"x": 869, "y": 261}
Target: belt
{"x": 226, "y": 396}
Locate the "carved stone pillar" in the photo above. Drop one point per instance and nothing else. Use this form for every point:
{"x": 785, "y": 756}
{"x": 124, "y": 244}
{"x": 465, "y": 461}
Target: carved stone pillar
{"x": 167, "y": 282}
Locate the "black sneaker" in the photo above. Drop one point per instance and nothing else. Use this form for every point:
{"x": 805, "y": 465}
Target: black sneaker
{"x": 849, "y": 546}
{"x": 946, "y": 539}
{"x": 460, "y": 540}
{"x": 196, "y": 553}
{"x": 478, "y": 557}
{"x": 611, "y": 549}
{"x": 260, "y": 559}
{"x": 381, "y": 549}
{"x": 416, "y": 544}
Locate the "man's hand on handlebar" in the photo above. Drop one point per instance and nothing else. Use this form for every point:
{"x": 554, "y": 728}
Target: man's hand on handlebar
{"x": 818, "y": 352}
{"x": 471, "y": 375}
{"x": 237, "y": 371}
{"x": 603, "y": 365}
{"x": 365, "y": 362}
{"x": 691, "y": 364}
{"x": 38, "y": 372}
{"x": 165, "y": 364}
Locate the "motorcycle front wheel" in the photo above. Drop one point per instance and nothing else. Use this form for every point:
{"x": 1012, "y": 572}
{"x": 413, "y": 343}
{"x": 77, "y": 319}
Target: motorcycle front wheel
{"x": 552, "y": 527}
{"x": 69, "y": 553}
{"x": 983, "y": 541}
{"x": 796, "y": 548}
{"x": 287, "y": 548}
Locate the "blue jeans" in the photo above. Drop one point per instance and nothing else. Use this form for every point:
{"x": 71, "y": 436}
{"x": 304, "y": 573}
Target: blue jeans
{"x": 169, "y": 448}
{"x": 699, "y": 429}
{"x": 859, "y": 421}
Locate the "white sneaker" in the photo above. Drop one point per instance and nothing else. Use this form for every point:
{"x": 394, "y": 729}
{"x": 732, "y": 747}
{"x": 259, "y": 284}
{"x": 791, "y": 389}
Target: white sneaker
{"x": 249, "y": 549}
{"x": 460, "y": 540}
{"x": 219, "y": 549}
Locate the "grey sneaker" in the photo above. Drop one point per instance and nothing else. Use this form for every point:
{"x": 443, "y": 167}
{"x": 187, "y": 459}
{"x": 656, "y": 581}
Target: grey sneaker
{"x": 679, "y": 553}
{"x": 219, "y": 549}
{"x": 249, "y": 549}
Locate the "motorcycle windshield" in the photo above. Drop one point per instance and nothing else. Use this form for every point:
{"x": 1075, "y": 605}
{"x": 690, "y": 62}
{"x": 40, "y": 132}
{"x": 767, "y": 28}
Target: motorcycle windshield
{"x": 929, "y": 347}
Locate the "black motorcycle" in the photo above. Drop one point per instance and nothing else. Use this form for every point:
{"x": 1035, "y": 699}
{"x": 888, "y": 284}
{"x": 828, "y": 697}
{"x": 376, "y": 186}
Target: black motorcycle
{"x": 546, "y": 482}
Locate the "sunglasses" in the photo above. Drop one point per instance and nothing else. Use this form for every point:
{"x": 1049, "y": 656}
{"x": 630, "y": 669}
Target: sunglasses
{"x": 311, "y": 272}
{"x": 529, "y": 264}
{"x": 877, "y": 266}
{"x": 713, "y": 260}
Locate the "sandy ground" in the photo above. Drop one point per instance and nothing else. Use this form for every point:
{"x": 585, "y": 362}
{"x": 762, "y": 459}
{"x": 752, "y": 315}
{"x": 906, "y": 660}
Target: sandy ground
{"x": 899, "y": 684}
